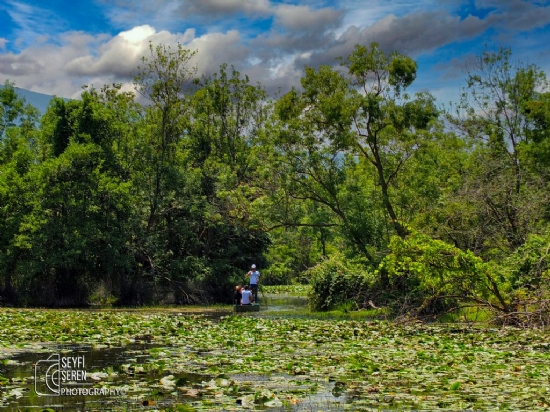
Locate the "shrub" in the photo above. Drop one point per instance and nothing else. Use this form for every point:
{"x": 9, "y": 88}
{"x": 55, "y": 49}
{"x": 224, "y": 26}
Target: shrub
{"x": 528, "y": 267}
{"x": 337, "y": 281}
{"x": 527, "y": 274}
{"x": 438, "y": 275}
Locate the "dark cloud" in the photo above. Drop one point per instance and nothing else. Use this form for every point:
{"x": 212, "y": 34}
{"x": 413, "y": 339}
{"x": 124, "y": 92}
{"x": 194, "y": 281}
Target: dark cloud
{"x": 217, "y": 48}
{"x": 523, "y": 15}
{"x": 456, "y": 68}
{"x": 297, "y": 29}
{"x": 19, "y": 65}
{"x": 412, "y": 35}
{"x": 305, "y": 19}
{"x": 220, "y": 8}
{"x": 277, "y": 45}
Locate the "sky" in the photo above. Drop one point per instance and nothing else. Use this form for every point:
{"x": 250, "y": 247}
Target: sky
{"x": 57, "y": 46}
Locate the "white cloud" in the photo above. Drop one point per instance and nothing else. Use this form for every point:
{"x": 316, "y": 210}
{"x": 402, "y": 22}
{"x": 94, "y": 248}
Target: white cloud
{"x": 136, "y": 36}
{"x": 84, "y": 59}
{"x": 120, "y": 56}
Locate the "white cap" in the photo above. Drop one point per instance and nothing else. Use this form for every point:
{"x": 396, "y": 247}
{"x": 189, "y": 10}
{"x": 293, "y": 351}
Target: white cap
{"x": 253, "y": 266}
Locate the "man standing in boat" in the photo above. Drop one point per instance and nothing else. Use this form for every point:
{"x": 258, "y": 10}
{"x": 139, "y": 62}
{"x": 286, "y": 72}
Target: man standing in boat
{"x": 254, "y": 276}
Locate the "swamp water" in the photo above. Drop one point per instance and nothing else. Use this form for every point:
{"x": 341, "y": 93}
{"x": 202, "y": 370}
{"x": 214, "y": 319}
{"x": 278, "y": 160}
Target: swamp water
{"x": 98, "y": 377}
{"x": 280, "y": 359}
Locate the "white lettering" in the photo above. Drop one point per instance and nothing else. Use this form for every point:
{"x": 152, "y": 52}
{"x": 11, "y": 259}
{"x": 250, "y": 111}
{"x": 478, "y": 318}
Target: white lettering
{"x": 72, "y": 362}
{"x": 73, "y": 375}
{"x": 92, "y": 391}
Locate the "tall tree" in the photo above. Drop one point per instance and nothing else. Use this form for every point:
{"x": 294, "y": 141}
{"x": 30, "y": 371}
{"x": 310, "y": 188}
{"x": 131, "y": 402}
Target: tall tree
{"x": 225, "y": 143}
{"x": 18, "y": 154}
{"x": 164, "y": 79}
{"x": 14, "y": 111}
{"x": 358, "y": 112}
{"x": 494, "y": 113}
{"x": 77, "y": 224}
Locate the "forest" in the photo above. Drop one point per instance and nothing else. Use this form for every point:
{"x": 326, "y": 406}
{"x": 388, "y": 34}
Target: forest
{"x": 372, "y": 196}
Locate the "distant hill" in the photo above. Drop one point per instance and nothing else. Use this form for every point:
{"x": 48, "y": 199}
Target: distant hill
{"x": 38, "y": 100}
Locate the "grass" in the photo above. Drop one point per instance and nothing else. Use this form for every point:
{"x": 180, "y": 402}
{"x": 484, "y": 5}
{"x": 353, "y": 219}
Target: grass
{"x": 467, "y": 315}
{"x": 290, "y": 290}
{"x": 289, "y": 303}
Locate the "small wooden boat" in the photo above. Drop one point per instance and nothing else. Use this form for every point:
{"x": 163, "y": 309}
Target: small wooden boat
{"x": 255, "y": 307}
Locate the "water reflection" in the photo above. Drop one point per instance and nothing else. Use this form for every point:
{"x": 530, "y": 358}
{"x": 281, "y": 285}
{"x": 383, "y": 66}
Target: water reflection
{"x": 100, "y": 368}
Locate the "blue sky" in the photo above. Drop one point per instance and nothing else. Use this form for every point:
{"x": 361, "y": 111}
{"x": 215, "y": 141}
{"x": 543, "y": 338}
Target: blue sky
{"x": 57, "y": 46}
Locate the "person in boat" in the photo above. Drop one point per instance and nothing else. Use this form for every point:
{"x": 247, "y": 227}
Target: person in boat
{"x": 246, "y": 296}
{"x": 254, "y": 275}
{"x": 237, "y": 295}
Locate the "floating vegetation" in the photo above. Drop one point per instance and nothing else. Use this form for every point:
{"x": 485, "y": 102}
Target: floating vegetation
{"x": 293, "y": 290}
{"x": 193, "y": 362}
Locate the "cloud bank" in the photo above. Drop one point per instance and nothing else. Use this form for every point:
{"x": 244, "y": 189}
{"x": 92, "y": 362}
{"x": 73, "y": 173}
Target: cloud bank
{"x": 267, "y": 40}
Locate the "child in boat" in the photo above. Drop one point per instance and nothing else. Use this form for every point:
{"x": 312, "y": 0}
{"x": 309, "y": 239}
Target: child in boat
{"x": 237, "y": 295}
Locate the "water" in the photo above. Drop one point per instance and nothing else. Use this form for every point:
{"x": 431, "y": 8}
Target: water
{"x": 19, "y": 394}
{"x": 128, "y": 378}
{"x": 32, "y": 383}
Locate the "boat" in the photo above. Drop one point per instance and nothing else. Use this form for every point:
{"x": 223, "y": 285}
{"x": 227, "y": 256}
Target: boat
{"x": 255, "y": 307}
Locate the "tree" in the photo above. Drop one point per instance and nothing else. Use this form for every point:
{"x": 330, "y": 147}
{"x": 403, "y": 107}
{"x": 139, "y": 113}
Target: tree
{"x": 342, "y": 116}
{"x": 164, "y": 80}
{"x": 537, "y": 153}
{"x": 225, "y": 144}
{"x": 76, "y": 232}
{"x": 495, "y": 112}
{"x": 18, "y": 152}
{"x": 439, "y": 274}
{"x": 74, "y": 224}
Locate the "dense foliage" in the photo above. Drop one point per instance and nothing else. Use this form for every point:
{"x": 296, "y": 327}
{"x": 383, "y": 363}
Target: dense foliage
{"x": 336, "y": 281}
{"x": 169, "y": 194}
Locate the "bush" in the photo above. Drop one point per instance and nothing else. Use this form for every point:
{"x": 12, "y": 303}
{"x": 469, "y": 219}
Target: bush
{"x": 527, "y": 273}
{"x": 528, "y": 267}
{"x": 337, "y": 281}
{"x": 438, "y": 276}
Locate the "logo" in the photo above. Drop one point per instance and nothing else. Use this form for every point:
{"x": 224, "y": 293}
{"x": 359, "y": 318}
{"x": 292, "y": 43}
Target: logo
{"x": 57, "y": 375}
{"x": 65, "y": 376}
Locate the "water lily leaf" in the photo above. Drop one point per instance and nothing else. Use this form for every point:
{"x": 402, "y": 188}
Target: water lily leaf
{"x": 455, "y": 386}
{"x": 168, "y": 382}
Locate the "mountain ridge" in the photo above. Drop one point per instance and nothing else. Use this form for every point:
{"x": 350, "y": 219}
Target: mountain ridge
{"x": 38, "y": 100}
